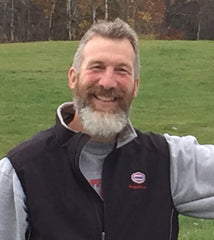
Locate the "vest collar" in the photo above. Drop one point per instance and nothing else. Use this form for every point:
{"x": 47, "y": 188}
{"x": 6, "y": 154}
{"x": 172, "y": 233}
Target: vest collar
{"x": 65, "y": 114}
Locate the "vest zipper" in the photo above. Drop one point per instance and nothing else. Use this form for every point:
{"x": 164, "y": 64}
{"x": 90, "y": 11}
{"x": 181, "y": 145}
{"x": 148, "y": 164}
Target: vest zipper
{"x": 83, "y": 139}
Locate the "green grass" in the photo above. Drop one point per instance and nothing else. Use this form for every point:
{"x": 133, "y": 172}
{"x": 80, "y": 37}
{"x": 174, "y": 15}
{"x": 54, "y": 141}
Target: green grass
{"x": 33, "y": 79}
{"x": 177, "y": 87}
{"x": 196, "y": 229}
{"x": 176, "y": 95}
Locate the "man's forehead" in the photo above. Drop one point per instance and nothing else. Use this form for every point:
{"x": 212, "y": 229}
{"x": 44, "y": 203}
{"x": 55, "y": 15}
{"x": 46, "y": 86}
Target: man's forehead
{"x": 92, "y": 42}
{"x": 99, "y": 45}
{"x": 105, "y": 49}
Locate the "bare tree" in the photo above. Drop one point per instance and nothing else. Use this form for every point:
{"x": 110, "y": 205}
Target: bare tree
{"x": 53, "y": 4}
{"x": 28, "y": 21}
{"x": 72, "y": 18}
{"x": 12, "y": 27}
{"x": 93, "y": 11}
{"x": 68, "y": 9}
{"x": 4, "y": 19}
{"x": 204, "y": 13}
{"x": 106, "y": 9}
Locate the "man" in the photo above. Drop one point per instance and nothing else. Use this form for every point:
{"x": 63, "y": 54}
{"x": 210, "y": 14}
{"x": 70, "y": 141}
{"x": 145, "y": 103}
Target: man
{"x": 93, "y": 176}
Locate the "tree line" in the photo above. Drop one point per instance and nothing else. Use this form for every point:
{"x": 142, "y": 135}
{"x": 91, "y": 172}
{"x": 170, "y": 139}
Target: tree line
{"x": 38, "y": 20}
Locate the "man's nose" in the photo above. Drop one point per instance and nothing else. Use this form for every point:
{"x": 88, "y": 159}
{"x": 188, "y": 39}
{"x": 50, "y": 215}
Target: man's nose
{"x": 108, "y": 79}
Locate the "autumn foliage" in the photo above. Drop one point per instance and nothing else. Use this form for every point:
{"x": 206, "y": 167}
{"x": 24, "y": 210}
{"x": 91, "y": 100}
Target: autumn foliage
{"x": 33, "y": 20}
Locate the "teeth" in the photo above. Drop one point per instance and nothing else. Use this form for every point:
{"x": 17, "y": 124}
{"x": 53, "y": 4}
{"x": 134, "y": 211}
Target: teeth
{"x": 105, "y": 99}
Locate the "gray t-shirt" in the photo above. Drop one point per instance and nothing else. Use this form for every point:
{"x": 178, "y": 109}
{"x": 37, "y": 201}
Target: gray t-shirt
{"x": 91, "y": 162}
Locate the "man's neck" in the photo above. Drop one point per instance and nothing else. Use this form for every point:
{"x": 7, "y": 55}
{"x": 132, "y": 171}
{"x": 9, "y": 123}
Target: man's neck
{"x": 76, "y": 125}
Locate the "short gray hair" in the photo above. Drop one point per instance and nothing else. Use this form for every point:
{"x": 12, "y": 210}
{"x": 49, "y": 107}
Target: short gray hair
{"x": 116, "y": 29}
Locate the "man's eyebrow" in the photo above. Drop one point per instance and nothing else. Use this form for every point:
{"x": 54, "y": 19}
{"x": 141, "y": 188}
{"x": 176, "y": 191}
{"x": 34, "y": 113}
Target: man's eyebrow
{"x": 92, "y": 62}
{"x": 101, "y": 63}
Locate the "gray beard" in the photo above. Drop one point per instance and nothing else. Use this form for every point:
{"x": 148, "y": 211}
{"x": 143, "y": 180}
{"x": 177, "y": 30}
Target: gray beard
{"x": 100, "y": 124}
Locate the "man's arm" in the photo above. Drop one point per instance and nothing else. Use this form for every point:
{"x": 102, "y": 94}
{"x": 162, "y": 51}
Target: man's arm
{"x": 192, "y": 176}
{"x": 12, "y": 207}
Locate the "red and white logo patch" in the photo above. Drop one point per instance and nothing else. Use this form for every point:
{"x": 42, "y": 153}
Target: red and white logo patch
{"x": 138, "y": 177}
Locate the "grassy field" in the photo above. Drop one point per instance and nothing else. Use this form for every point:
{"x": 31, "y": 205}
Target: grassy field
{"x": 176, "y": 95}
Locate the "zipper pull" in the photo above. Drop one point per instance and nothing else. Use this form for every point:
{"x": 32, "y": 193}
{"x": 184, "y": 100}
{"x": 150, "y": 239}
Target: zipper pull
{"x": 103, "y": 235}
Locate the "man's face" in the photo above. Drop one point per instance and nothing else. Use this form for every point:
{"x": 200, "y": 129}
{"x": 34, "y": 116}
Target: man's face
{"x": 105, "y": 85}
{"x": 106, "y": 80}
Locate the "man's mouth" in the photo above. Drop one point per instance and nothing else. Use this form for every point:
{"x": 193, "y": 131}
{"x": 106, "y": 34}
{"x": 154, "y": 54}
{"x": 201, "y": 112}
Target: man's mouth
{"x": 105, "y": 99}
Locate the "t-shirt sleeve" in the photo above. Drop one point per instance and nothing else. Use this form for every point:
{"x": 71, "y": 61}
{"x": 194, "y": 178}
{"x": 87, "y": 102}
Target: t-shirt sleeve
{"x": 13, "y": 214}
{"x": 192, "y": 176}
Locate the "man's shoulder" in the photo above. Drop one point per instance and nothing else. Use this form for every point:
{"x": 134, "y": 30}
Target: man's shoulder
{"x": 33, "y": 147}
{"x": 149, "y": 136}
{"x": 152, "y": 141}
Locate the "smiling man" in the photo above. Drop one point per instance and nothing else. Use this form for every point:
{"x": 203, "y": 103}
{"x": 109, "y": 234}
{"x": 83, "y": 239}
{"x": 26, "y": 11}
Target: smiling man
{"x": 93, "y": 176}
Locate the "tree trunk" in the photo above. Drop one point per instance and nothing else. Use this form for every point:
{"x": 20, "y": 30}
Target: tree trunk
{"x": 12, "y": 28}
{"x": 94, "y": 11}
{"x": 28, "y": 21}
{"x": 68, "y": 9}
{"x": 74, "y": 19}
{"x": 4, "y": 19}
{"x": 106, "y": 9}
{"x": 199, "y": 29}
{"x": 53, "y": 3}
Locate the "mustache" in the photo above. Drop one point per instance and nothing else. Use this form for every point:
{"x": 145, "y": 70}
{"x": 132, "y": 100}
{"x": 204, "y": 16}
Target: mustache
{"x": 83, "y": 95}
{"x": 111, "y": 92}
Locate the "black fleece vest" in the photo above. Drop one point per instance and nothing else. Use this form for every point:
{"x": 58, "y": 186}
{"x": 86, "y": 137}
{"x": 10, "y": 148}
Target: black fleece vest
{"x": 62, "y": 205}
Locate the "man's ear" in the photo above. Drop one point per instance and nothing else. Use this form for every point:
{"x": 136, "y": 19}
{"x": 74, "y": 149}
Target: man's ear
{"x": 136, "y": 86}
{"x": 72, "y": 78}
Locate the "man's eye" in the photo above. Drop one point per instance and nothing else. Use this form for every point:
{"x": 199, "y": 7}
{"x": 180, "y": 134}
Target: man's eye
{"x": 122, "y": 70}
{"x": 96, "y": 67}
